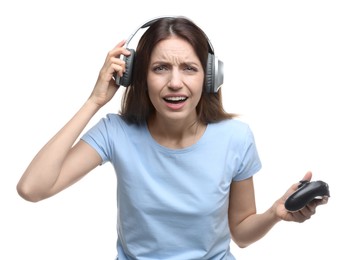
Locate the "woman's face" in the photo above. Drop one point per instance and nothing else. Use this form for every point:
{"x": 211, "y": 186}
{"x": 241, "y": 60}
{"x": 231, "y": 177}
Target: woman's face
{"x": 175, "y": 79}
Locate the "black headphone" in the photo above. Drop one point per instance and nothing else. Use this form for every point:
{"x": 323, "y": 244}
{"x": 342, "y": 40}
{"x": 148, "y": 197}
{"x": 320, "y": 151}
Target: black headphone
{"x": 214, "y": 68}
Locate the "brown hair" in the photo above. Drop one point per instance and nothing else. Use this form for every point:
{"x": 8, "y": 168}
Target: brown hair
{"x": 136, "y": 105}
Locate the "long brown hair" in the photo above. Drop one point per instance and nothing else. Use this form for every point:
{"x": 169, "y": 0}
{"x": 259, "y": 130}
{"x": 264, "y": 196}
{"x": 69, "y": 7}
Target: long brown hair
{"x": 136, "y": 106}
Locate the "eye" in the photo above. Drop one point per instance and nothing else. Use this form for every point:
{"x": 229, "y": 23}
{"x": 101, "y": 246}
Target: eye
{"x": 190, "y": 69}
{"x": 160, "y": 68}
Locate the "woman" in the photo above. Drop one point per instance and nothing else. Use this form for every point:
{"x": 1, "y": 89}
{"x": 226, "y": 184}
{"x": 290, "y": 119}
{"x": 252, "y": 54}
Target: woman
{"x": 184, "y": 166}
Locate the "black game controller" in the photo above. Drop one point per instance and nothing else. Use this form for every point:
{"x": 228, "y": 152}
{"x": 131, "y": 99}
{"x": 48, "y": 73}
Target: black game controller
{"x": 306, "y": 192}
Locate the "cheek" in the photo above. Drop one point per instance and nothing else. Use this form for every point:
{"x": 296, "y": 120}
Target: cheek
{"x": 198, "y": 87}
{"x": 198, "y": 96}
{"x": 153, "y": 93}
{"x": 152, "y": 87}
{"x": 154, "y": 83}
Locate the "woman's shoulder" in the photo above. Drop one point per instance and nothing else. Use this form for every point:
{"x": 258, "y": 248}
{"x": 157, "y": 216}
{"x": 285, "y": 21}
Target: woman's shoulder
{"x": 233, "y": 125}
{"x": 118, "y": 122}
{"x": 230, "y": 130}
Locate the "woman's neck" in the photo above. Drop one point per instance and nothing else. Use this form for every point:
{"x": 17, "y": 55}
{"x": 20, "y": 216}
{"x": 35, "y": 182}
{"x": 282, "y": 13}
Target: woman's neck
{"x": 175, "y": 134}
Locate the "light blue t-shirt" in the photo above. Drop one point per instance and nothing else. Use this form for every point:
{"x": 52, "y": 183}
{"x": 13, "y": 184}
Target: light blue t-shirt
{"x": 173, "y": 203}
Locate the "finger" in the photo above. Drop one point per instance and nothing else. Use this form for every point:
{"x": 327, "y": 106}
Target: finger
{"x": 297, "y": 216}
{"x": 117, "y": 69}
{"x": 119, "y": 49}
{"x": 307, "y": 176}
{"x": 305, "y": 213}
{"x": 322, "y": 201}
{"x": 309, "y": 210}
{"x": 113, "y": 64}
{"x": 119, "y": 62}
{"x": 120, "y": 44}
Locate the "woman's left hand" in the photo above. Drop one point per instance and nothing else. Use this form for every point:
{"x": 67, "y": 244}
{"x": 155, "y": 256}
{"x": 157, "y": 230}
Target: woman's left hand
{"x": 303, "y": 214}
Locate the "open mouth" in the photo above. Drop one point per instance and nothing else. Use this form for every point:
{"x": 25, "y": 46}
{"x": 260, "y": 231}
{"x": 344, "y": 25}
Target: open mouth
{"x": 175, "y": 100}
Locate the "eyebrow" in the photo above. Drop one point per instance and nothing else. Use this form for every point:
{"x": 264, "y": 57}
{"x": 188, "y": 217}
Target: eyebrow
{"x": 162, "y": 62}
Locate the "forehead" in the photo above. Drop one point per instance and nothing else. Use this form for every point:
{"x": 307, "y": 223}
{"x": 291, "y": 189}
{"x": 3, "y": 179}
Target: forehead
{"x": 173, "y": 46}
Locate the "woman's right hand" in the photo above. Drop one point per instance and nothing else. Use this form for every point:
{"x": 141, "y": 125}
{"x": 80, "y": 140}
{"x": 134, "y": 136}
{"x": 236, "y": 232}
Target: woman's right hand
{"x": 105, "y": 87}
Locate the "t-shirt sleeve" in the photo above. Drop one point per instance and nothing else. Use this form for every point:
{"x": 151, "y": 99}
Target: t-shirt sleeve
{"x": 97, "y": 137}
{"x": 250, "y": 162}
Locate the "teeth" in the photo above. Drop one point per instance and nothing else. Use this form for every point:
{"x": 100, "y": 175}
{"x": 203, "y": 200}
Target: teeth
{"x": 176, "y": 98}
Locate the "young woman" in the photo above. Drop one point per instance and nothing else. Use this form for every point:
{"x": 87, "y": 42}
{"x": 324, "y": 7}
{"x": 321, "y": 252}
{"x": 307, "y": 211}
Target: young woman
{"x": 184, "y": 166}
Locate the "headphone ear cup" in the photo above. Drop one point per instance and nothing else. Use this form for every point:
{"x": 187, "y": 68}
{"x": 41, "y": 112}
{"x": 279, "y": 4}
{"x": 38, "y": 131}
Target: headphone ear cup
{"x": 214, "y": 74}
{"x": 210, "y": 73}
{"x": 126, "y": 78}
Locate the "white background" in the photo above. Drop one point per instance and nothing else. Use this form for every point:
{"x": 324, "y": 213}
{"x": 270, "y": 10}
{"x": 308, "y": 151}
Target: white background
{"x": 286, "y": 73}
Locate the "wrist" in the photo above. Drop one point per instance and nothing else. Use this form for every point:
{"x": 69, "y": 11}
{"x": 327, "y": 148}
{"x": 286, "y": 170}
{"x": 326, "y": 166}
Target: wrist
{"x": 273, "y": 212}
{"x": 90, "y": 104}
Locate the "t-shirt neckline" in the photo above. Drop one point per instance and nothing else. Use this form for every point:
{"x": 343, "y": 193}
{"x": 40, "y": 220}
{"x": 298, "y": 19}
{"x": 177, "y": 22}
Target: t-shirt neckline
{"x": 163, "y": 148}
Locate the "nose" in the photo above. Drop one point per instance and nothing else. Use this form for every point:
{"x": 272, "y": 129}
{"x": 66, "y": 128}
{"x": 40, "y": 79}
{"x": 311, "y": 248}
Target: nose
{"x": 176, "y": 80}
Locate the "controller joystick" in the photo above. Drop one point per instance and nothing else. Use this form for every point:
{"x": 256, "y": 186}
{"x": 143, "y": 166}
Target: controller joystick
{"x": 306, "y": 192}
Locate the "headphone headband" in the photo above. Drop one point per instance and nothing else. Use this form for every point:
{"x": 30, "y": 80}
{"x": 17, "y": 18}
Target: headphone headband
{"x": 153, "y": 20}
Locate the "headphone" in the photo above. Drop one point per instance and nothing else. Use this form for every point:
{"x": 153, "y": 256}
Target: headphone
{"x": 214, "y": 67}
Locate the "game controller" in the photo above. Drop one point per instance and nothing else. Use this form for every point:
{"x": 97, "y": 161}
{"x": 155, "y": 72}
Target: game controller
{"x": 307, "y": 191}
